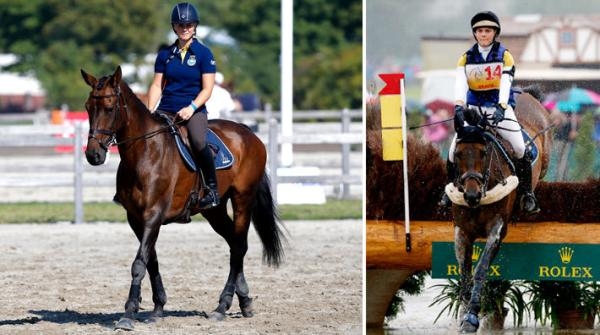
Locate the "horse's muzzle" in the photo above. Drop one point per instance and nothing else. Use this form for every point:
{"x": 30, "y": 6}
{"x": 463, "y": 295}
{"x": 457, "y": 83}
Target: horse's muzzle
{"x": 472, "y": 197}
{"x": 95, "y": 156}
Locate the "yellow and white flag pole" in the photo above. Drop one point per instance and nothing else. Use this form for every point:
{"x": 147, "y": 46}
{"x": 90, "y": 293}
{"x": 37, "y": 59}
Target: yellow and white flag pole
{"x": 393, "y": 132}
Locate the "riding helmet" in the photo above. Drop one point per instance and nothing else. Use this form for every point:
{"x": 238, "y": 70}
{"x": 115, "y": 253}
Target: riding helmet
{"x": 184, "y": 13}
{"x": 486, "y": 19}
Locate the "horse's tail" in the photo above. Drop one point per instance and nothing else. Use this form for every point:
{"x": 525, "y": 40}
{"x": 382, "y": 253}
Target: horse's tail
{"x": 267, "y": 224}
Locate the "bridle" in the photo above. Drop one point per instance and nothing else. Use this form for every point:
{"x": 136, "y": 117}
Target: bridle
{"x": 118, "y": 110}
{"x": 112, "y": 137}
{"x": 493, "y": 151}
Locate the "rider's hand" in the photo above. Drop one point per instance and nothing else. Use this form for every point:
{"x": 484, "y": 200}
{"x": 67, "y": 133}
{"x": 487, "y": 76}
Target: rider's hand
{"x": 186, "y": 112}
{"x": 498, "y": 115}
{"x": 459, "y": 118}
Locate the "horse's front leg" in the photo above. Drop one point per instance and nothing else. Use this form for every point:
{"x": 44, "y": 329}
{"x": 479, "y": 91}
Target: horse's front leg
{"x": 138, "y": 271}
{"x": 463, "y": 248}
{"x": 470, "y": 322}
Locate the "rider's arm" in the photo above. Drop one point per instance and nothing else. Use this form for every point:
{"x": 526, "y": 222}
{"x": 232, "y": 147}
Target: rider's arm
{"x": 508, "y": 72}
{"x": 154, "y": 92}
{"x": 461, "y": 85}
{"x": 208, "y": 82}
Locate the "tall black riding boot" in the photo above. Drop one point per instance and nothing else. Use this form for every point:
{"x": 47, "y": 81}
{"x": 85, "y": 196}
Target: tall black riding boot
{"x": 206, "y": 163}
{"x": 452, "y": 172}
{"x": 527, "y": 200}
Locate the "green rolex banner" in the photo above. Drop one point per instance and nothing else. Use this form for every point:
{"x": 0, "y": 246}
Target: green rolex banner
{"x": 530, "y": 261}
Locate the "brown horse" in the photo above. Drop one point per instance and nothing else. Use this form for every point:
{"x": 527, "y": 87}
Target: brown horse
{"x": 154, "y": 186}
{"x": 484, "y": 201}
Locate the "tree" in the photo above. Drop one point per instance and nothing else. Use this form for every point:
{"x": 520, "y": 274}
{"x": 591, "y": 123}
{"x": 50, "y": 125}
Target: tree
{"x": 327, "y": 49}
{"x": 54, "y": 39}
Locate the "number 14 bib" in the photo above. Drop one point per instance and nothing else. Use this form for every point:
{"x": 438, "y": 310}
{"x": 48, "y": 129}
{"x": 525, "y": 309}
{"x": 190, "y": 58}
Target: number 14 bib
{"x": 484, "y": 77}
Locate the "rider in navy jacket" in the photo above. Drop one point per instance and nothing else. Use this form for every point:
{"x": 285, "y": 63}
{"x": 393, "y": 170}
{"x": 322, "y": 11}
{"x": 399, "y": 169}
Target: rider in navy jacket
{"x": 184, "y": 76}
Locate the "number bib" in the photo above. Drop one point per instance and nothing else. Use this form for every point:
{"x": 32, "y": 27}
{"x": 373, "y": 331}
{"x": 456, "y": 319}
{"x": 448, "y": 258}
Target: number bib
{"x": 484, "y": 77}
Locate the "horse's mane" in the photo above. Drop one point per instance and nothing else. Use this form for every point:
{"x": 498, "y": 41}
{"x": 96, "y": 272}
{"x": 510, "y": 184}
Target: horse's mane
{"x": 535, "y": 91}
{"x": 133, "y": 100}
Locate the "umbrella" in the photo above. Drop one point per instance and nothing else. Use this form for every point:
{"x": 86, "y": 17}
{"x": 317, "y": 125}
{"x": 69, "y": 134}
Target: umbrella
{"x": 438, "y": 104}
{"x": 572, "y": 99}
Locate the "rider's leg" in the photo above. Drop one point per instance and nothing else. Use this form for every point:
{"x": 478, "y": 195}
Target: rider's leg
{"x": 197, "y": 128}
{"x": 510, "y": 130}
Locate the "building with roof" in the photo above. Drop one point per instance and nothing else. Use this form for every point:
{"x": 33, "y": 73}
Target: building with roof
{"x": 554, "y": 52}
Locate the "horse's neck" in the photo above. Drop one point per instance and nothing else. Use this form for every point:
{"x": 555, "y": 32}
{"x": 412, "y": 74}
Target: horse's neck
{"x": 139, "y": 121}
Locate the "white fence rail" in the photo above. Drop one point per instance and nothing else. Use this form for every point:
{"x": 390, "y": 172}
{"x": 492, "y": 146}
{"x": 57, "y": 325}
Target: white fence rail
{"x": 49, "y": 136}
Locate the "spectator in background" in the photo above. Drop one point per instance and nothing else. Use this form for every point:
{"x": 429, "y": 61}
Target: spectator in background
{"x": 220, "y": 104}
{"x": 564, "y": 136}
{"x": 435, "y": 130}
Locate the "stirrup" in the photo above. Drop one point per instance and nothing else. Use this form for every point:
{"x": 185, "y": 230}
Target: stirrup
{"x": 529, "y": 199}
{"x": 445, "y": 201}
{"x": 209, "y": 200}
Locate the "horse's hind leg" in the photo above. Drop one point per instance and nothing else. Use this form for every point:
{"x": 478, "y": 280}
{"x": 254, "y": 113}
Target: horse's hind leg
{"x": 236, "y": 235}
{"x": 470, "y": 322}
{"x": 145, "y": 259}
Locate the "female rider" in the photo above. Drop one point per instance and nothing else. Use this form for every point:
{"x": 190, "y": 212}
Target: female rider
{"x": 184, "y": 76}
{"x": 483, "y": 82}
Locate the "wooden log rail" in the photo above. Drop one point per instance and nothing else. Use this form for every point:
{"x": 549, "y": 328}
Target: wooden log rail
{"x": 386, "y": 248}
{"x": 389, "y": 265}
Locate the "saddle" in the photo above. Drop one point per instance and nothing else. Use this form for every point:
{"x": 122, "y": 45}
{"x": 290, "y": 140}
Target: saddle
{"x": 223, "y": 157}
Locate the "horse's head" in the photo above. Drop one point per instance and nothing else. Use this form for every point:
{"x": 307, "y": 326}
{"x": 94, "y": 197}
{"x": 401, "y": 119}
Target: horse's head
{"x": 470, "y": 156}
{"x": 104, "y": 106}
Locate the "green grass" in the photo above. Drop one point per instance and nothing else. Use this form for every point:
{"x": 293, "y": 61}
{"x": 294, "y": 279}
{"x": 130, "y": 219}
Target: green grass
{"x": 43, "y": 212}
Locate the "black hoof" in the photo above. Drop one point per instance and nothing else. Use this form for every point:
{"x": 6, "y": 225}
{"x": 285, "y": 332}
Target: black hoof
{"x": 125, "y": 324}
{"x": 246, "y": 307}
{"x": 469, "y": 324}
{"x": 247, "y": 312}
{"x": 216, "y": 316}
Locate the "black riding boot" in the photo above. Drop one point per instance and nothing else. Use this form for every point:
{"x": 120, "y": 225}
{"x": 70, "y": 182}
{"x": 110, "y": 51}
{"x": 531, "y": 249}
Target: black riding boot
{"x": 527, "y": 200}
{"x": 452, "y": 175}
{"x": 206, "y": 163}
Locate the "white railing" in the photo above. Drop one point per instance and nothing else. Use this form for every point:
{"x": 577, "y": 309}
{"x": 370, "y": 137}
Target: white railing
{"x": 48, "y": 136}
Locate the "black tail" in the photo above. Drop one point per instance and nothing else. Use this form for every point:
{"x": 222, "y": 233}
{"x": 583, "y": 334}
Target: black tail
{"x": 267, "y": 224}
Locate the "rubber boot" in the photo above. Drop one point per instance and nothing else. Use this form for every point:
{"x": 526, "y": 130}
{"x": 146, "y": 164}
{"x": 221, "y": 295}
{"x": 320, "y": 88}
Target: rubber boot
{"x": 206, "y": 163}
{"x": 452, "y": 175}
{"x": 527, "y": 200}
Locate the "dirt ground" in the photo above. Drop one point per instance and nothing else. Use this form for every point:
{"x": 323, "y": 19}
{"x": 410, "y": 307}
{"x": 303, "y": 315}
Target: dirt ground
{"x": 74, "y": 279}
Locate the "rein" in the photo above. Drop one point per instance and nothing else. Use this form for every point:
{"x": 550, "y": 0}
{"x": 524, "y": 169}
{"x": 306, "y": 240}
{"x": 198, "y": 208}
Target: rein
{"x": 119, "y": 106}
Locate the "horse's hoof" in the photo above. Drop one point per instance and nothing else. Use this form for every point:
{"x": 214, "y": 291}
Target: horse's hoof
{"x": 246, "y": 307}
{"x": 216, "y": 316}
{"x": 469, "y": 324}
{"x": 125, "y": 324}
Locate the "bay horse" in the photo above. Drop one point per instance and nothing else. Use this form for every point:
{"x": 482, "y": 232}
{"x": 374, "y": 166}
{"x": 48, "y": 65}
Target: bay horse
{"x": 484, "y": 202}
{"x": 154, "y": 187}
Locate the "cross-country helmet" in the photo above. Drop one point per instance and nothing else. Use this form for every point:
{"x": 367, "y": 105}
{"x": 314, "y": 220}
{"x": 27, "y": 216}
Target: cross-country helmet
{"x": 485, "y": 19}
{"x": 184, "y": 13}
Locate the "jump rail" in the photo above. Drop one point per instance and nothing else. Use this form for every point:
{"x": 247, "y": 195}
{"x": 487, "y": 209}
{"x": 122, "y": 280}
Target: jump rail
{"x": 49, "y": 136}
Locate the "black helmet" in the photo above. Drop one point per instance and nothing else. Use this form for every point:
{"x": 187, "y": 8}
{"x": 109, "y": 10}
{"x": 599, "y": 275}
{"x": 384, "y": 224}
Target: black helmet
{"x": 486, "y": 19}
{"x": 184, "y": 13}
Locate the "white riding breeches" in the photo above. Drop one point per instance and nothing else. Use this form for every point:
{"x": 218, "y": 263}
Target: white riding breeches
{"x": 509, "y": 129}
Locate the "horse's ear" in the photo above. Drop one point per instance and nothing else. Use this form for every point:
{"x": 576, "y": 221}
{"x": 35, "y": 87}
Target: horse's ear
{"x": 89, "y": 79}
{"x": 116, "y": 77}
